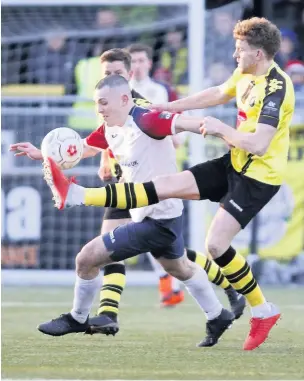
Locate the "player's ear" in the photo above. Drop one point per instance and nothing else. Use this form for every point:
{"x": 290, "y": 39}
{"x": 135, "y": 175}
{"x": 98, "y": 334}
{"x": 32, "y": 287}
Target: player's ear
{"x": 124, "y": 99}
{"x": 259, "y": 54}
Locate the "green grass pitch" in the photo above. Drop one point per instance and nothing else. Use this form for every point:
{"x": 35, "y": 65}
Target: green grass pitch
{"x": 153, "y": 343}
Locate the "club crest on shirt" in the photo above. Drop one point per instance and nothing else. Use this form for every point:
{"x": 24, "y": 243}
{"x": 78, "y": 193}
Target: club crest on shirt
{"x": 247, "y": 91}
{"x": 274, "y": 85}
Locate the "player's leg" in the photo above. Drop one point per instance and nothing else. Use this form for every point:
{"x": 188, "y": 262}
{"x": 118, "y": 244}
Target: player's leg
{"x": 88, "y": 262}
{"x": 169, "y": 287}
{"x": 236, "y": 300}
{"x": 122, "y": 195}
{"x": 245, "y": 199}
{"x": 195, "y": 279}
{"x": 114, "y": 278}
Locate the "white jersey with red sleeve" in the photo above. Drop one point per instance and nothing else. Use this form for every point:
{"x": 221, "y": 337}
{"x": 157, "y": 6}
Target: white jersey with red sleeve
{"x": 144, "y": 149}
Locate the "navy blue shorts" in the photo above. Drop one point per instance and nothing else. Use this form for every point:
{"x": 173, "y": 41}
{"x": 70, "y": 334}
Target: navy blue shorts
{"x": 162, "y": 238}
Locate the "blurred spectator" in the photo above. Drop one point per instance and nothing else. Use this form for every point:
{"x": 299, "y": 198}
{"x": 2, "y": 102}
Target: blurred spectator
{"x": 222, "y": 39}
{"x": 141, "y": 81}
{"x": 53, "y": 60}
{"x": 288, "y": 49}
{"x": 295, "y": 69}
{"x": 218, "y": 73}
{"x": 174, "y": 59}
{"x": 106, "y": 19}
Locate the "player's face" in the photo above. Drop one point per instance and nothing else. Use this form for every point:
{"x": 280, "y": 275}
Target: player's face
{"x": 116, "y": 67}
{"x": 110, "y": 105}
{"x": 140, "y": 65}
{"x": 246, "y": 56}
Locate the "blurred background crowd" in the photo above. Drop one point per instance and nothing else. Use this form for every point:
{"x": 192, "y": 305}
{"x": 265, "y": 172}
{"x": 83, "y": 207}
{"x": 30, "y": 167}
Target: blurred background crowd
{"x": 52, "y": 41}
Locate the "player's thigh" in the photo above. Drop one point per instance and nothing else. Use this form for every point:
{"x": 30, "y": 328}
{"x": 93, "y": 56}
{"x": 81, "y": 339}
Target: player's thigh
{"x": 136, "y": 238}
{"x": 93, "y": 254}
{"x": 246, "y": 197}
{"x": 211, "y": 178}
{"x": 178, "y": 185}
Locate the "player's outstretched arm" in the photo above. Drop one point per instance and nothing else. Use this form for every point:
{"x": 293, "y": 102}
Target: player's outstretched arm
{"x": 256, "y": 143}
{"x": 212, "y": 96}
{"x": 34, "y": 153}
{"x": 187, "y": 123}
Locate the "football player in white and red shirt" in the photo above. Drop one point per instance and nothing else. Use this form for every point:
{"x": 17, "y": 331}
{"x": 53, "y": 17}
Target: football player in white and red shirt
{"x": 140, "y": 140}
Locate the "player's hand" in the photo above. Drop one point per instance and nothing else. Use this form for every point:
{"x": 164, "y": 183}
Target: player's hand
{"x": 211, "y": 126}
{"x": 105, "y": 173}
{"x": 26, "y": 149}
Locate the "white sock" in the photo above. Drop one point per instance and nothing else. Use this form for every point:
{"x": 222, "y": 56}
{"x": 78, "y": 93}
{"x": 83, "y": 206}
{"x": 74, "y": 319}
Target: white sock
{"x": 157, "y": 267}
{"x": 263, "y": 310}
{"x": 75, "y": 195}
{"x": 201, "y": 290}
{"x": 175, "y": 284}
{"x": 84, "y": 294}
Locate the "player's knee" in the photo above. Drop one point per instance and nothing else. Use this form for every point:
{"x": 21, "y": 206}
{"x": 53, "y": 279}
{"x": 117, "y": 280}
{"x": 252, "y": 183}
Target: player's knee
{"x": 83, "y": 263}
{"x": 183, "y": 272}
{"x": 214, "y": 247}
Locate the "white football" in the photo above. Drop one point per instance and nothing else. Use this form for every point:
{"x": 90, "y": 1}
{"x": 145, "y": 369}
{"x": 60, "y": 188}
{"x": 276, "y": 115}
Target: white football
{"x": 64, "y": 146}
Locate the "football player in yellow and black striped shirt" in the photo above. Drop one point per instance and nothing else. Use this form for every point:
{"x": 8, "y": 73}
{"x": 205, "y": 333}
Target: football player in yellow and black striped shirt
{"x": 244, "y": 180}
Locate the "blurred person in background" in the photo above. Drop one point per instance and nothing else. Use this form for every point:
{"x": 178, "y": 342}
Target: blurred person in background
{"x": 289, "y": 48}
{"x": 141, "y": 64}
{"x": 295, "y": 69}
{"x": 107, "y": 21}
{"x": 53, "y": 60}
{"x": 222, "y": 26}
{"x": 173, "y": 59}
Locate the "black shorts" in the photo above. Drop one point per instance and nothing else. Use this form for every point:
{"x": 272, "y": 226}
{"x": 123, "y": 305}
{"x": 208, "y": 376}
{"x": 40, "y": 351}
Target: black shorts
{"x": 116, "y": 214}
{"x": 242, "y": 196}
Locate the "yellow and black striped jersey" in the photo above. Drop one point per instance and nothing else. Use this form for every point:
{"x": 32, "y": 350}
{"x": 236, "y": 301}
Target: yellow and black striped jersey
{"x": 267, "y": 99}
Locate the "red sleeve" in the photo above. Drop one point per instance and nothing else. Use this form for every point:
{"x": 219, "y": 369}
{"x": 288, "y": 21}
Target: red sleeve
{"x": 157, "y": 124}
{"x": 97, "y": 139}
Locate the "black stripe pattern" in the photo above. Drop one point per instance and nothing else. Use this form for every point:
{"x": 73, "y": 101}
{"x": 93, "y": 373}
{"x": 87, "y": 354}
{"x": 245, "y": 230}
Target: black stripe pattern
{"x": 112, "y": 287}
{"x": 275, "y": 92}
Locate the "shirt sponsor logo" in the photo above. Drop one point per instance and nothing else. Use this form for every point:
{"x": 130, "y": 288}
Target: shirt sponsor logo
{"x": 130, "y": 164}
{"x": 271, "y": 105}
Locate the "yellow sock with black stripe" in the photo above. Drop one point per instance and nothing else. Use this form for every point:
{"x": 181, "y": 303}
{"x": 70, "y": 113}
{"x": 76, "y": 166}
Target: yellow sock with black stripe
{"x": 212, "y": 269}
{"x": 239, "y": 274}
{"x": 122, "y": 195}
{"x": 114, "y": 281}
